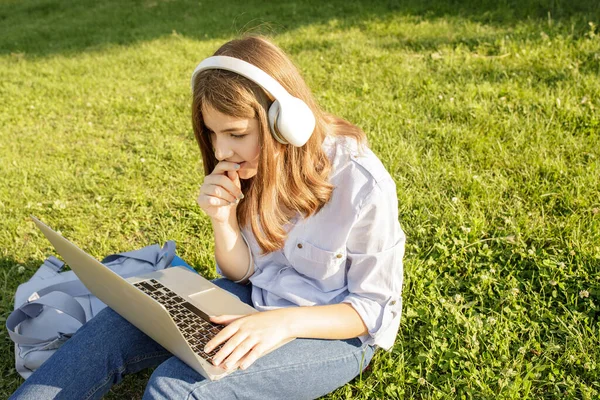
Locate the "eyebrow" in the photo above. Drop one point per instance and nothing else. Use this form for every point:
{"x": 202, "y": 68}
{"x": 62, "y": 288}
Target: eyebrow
{"x": 226, "y": 130}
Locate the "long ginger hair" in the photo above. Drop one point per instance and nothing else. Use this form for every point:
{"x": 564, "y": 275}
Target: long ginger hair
{"x": 295, "y": 181}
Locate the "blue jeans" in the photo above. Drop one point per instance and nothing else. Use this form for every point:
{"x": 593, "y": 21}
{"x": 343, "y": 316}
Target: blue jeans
{"x": 108, "y": 347}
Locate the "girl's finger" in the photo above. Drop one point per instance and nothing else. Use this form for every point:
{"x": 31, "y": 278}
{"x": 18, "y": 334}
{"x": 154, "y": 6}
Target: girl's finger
{"x": 232, "y": 343}
{"x": 238, "y": 353}
{"x": 217, "y": 191}
{"x": 225, "y": 182}
{"x": 253, "y": 355}
{"x": 235, "y": 178}
{"x": 206, "y": 200}
{"x": 220, "y": 337}
{"x": 225, "y": 319}
{"x": 224, "y": 166}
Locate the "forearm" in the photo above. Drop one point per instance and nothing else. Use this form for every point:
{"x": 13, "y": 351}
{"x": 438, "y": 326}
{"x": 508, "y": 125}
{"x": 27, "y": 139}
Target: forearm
{"x": 335, "y": 321}
{"x": 253, "y": 335}
{"x": 231, "y": 251}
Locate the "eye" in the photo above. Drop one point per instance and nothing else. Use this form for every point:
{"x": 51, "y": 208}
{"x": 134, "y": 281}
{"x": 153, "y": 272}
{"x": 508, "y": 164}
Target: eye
{"x": 237, "y": 136}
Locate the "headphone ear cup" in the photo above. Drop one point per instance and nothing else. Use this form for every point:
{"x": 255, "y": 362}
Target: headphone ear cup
{"x": 295, "y": 122}
{"x": 273, "y": 117}
{"x": 291, "y": 121}
{"x": 273, "y": 112}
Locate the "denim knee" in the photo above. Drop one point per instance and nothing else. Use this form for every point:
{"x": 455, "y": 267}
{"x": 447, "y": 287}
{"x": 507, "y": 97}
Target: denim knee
{"x": 172, "y": 379}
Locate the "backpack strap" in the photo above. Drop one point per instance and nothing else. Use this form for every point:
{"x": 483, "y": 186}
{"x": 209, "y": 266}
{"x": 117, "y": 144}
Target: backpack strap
{"x": 54, "y": 263}
{"x": 57, "y": 300}
{"x": 49, "y": 269}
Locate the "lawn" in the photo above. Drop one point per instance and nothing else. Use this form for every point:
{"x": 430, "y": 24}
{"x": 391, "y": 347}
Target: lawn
{"x": 486, "y": 113}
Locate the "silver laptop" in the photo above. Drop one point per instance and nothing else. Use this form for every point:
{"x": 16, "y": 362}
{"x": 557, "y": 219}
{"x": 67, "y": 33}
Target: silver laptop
{"x": 172, "y": 306}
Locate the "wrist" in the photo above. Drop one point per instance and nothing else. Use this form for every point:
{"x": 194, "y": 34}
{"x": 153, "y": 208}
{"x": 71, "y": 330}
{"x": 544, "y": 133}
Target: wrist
{"x": 290, "y": 322}
{"x": 230, "y": 224}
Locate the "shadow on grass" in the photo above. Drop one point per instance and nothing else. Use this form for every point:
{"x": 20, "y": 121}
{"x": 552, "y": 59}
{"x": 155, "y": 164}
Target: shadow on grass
{"x": 47, "y": 27}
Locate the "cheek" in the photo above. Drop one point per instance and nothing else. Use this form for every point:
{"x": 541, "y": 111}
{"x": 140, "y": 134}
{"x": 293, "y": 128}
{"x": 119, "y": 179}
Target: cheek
{"x": 252, "y": 154}
{"x": 250, "y": 168}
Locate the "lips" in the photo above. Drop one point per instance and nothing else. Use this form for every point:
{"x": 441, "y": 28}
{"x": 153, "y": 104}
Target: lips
{"x": 236, "y": 162}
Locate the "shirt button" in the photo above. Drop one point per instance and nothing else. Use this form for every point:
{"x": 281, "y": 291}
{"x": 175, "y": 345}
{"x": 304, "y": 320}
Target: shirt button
{"x": 299, "y": 245}
{"x": 339, "y": 256}
{"x": 393, "y": 302}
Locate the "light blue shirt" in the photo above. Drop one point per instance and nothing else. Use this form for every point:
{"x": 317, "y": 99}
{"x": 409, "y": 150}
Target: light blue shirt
{"x": 351, "y": 251}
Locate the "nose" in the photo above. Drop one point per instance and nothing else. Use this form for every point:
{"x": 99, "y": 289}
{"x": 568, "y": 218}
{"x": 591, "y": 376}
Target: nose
{"x": 222, "y": 150}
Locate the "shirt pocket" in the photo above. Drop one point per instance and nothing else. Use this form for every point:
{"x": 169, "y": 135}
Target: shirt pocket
{"x": 324, "y": 269}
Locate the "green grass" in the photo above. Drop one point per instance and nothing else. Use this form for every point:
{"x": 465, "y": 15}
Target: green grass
{"x": 487, "y": 115}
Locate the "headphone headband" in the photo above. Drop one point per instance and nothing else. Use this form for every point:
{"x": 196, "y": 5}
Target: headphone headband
{"x": 243, "y": 68}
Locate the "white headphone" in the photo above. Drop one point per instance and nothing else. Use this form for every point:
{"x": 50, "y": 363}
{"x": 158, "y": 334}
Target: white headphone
{"x": 290, "y": 119}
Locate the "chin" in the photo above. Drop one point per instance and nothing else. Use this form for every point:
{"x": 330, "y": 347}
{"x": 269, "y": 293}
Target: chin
{"x": 247, "y": 174}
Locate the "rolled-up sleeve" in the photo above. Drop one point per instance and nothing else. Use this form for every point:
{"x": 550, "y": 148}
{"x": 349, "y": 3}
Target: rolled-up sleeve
{"x": 375, "y": 249}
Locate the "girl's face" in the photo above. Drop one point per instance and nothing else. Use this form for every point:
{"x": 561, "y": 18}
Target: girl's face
{"x": 234, "y": 140}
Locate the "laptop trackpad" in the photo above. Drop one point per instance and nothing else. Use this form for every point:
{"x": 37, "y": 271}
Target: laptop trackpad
{"x": 219, "y": 302}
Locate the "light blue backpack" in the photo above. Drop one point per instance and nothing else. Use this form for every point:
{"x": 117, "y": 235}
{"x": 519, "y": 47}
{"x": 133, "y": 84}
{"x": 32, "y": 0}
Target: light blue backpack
{"x": 52, "y": 305}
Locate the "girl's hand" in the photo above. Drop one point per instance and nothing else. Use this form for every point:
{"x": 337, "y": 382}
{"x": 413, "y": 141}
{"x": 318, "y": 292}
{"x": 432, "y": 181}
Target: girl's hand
{"x": 248, "y": 337}
{"x": 221, "y": 192}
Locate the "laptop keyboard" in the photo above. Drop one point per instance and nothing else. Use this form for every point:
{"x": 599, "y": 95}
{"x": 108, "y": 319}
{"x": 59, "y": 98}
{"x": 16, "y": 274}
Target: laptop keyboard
{"x": 192, "y": 322}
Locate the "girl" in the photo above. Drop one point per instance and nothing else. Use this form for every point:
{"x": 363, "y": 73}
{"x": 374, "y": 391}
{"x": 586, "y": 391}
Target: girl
{"x": 306, "y": 230}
